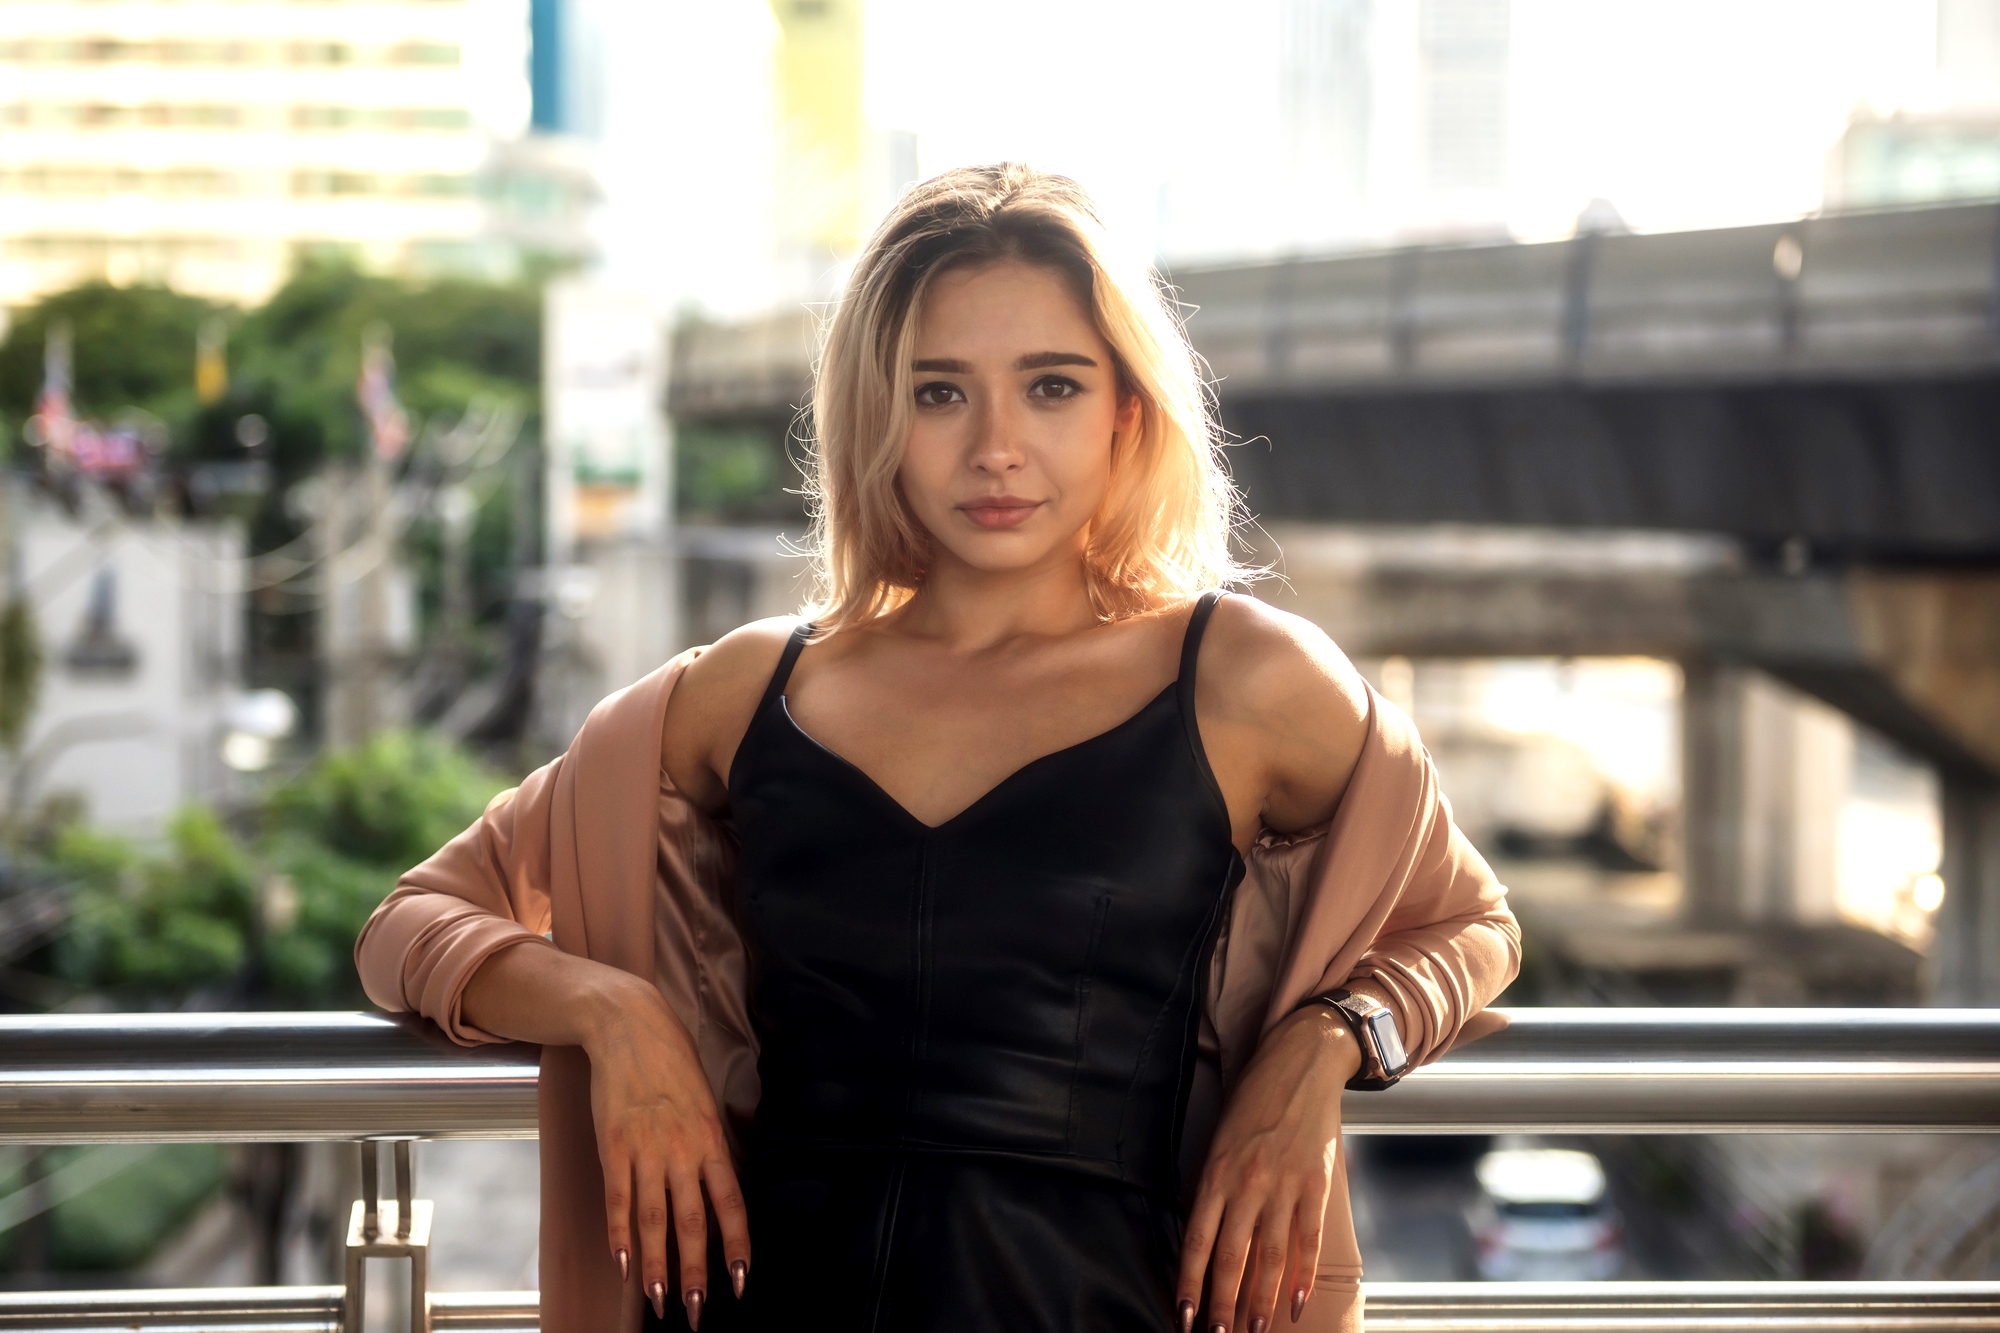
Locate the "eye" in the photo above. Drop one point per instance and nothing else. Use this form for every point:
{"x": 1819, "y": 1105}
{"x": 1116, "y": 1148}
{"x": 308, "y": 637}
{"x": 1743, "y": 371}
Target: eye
{"x": 1054, "y": 388}
{"x": 939, "y": 393}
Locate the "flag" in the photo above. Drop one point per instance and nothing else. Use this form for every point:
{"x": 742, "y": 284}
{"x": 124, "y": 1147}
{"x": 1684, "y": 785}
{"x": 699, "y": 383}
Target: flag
{"x": 55, "y": 419}
{"x": 211, "y": 369}
{"x": 375, "y": 390}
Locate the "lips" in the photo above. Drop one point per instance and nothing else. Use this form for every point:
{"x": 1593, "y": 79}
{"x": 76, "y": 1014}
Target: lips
{"x": 999, "y": 511}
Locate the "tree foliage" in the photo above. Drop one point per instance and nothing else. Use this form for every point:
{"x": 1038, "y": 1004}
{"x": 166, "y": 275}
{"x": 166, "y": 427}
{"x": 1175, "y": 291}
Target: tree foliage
{"x": 272, "y": 919}
{"x": 130, "y": 347}
{"x": 295, "y": 358}
{"x": 341, "y": 834}
{"x": 292, "y": 360}
{"x": 163, "y": 923}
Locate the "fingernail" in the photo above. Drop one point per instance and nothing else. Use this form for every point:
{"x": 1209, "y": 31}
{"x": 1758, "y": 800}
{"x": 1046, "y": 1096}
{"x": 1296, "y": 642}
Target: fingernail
{"x": 658, "y": 1291}
{"x": 1256, "y": 1323}
{"x": 693, "y": 1299}
{"x": 1187, "y": 1316}
{"x": 1219, "y": 1328}
{"x": 624, "y": 1265}
{"x": 738, "y": 1272}
{"x": 1298, "y": 1304}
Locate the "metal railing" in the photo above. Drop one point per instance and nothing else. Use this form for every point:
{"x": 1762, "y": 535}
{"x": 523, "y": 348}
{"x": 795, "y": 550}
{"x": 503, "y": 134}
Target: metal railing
{"x": 248, "y": 1309}
{"x": 306, "y": 1077}
{"x": 1392, "y": 1307}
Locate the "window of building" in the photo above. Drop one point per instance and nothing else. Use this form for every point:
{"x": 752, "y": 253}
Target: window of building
{"x": 423, "y": 53}
{"x": 320, "y": 53}
{"x": 192, "y": 51}
{"x": 306, "y": 117}
{"x": 334, "y": 183}
{"x": 438, "y": 185}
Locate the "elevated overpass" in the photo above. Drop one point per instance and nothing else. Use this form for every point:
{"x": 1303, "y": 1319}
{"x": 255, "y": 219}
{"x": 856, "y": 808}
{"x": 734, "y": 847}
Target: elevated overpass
{"x": 1833, "y": 381}
{"x": 1812, "y": 408}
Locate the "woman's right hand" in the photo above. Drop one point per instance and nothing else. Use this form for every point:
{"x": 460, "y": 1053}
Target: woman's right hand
{"x": 660, "y": 1139}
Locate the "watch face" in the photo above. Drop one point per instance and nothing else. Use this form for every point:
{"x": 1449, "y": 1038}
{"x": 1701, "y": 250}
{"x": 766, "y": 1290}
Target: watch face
{"x": 1388, "y": 1042}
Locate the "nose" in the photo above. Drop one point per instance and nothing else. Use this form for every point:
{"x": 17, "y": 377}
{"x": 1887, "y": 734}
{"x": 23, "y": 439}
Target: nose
{"x": 996, "y": 446}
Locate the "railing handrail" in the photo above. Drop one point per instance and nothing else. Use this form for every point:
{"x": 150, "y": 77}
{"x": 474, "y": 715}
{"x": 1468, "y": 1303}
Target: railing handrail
{"x": 306, "y": 1309}
{"x": 1399, "y": 1307}
{"x": 327, "y": 1076}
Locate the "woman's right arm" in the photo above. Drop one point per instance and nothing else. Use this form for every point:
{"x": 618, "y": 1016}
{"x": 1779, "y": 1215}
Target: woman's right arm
{"x": 660, "y": 1138}
{"x": 659, "y": 1132}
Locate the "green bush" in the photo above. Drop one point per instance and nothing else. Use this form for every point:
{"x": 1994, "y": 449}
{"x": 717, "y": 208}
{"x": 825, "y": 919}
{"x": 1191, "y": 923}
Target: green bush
{"x": 390, "y": 802}
{"x": 277, "y": 920}
{"x": 139, "y": 1198}
{"x": 159, "y": 924}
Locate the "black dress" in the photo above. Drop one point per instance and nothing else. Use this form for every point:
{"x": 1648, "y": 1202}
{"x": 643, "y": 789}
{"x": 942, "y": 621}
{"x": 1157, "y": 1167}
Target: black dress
{"x": 977, "y": 1038}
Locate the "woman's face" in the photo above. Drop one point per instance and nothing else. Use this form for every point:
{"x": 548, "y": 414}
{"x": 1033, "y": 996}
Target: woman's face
{"x": 1017, "y": 404}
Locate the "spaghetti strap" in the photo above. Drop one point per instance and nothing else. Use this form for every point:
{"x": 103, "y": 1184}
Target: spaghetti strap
{"x": 1204, "y": 607}
{"x": 786, "y": 660}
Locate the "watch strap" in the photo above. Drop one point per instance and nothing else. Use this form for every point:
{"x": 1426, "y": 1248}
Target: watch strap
{"x": 1353, "y": 1009}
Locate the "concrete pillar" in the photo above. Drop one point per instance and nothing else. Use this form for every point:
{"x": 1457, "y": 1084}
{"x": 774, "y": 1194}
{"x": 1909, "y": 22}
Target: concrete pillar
{"x": 1764, "y": 773}
{"x": 1967, "y": 952}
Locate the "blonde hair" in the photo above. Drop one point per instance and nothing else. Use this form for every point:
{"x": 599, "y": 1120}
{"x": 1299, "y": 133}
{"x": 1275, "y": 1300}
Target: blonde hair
{"x": 1164, "y": 529}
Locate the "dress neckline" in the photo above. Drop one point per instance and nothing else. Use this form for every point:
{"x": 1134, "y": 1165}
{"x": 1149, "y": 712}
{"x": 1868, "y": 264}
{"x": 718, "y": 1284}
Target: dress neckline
{"x": 992, "y": 792}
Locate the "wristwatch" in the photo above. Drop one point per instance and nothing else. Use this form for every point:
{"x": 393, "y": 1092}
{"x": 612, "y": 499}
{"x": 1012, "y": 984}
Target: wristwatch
{"x": 1383, "y": 1059}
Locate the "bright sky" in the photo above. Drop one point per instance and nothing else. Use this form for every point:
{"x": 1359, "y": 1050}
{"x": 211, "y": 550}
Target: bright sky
{"x": 1684, "y": 113}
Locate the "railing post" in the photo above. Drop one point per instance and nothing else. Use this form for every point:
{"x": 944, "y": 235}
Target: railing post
{"x": 1968, "y": 945}
{"x": 408, "y": 1222}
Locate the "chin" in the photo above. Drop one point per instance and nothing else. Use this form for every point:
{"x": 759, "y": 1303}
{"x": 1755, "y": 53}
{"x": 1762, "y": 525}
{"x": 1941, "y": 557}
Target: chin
{"x": 1000, "y": 553}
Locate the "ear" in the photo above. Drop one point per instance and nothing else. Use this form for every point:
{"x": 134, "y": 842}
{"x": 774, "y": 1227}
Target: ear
{"x": 1130, "y": 411}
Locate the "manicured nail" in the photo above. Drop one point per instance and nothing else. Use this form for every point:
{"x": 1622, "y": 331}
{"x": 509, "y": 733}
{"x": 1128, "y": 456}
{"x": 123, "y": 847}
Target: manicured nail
{"x": 1218, "y": 1328}
{"x": 624, "y": 1264}
{"x": 1187, "y": 1316}
{"x": 658, "y": 1291}
{"x": 1256, "y": 1323}
{"x": 693, "y": 1298}
{"x": 1298, "y": 1304}
{"x": 739, "y": 1271}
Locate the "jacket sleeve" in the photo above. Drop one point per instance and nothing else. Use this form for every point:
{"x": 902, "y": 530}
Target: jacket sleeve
{"x": 1387, "y": 898}
{"x": 1448, "y": 946}
{"x": 485, "y": 890}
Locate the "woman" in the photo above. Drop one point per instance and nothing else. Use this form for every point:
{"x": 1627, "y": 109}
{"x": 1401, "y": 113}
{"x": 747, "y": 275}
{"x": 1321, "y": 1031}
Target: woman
{"x": 948, "y": 959}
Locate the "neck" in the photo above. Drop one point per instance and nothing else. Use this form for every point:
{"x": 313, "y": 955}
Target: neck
{"x": 970, "y": 609}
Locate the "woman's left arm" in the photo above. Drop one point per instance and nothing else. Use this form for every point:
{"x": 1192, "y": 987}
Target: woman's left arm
{"x": 1284, "y": 717}
{"x": 1254, "y": 1230}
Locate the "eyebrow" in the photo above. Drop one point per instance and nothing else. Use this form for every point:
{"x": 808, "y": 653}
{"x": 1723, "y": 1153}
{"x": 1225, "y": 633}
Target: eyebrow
{"x": 1032, "y": 361}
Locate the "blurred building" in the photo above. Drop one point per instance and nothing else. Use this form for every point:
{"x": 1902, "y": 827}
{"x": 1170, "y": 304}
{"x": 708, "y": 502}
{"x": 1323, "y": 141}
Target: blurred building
{"x": 1462, "y": 50}
{"x": 1947, "y": 149}
{"x": 1326, "y": 93}
{"x": 1391, "y": 123}
{"x": 141, "y": 627}
{"x": 565, "y": 69}
{"x": 1440, "y": 139}
{"x": 823, "y": 146}
{"x": 607, "y": 485}
{"x": 208, "y": 144}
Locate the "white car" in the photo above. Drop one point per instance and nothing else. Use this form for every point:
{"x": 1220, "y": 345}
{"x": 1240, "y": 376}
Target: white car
{"x": 1543, "y": 1216}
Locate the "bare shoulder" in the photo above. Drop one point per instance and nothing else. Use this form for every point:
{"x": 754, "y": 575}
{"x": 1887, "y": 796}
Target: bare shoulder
{"x": 738, "y": 663}
{"x": 1271, "y": 661}
{"x": 1286, "y": 708}
{"x": 713, "y": 702}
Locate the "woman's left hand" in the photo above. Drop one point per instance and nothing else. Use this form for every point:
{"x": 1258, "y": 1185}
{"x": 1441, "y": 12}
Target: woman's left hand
{"x": 1254, "y": 1230}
